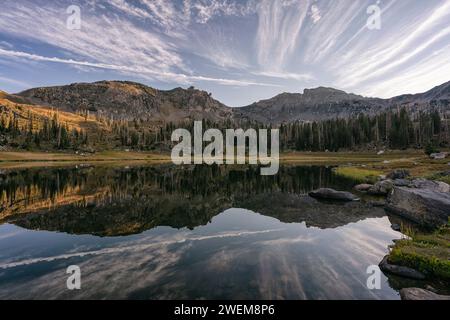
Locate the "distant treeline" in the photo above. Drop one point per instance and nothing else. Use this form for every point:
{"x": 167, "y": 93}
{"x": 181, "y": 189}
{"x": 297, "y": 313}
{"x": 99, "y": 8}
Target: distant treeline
{"x": 392, "y": 129}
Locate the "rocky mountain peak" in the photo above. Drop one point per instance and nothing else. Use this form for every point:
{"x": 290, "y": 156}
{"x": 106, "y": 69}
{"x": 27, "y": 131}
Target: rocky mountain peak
{"x": 326, "y": 95}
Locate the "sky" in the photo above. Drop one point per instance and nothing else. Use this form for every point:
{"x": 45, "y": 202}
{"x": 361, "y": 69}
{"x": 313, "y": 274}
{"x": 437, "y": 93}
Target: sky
{"x": 241, "y": 51}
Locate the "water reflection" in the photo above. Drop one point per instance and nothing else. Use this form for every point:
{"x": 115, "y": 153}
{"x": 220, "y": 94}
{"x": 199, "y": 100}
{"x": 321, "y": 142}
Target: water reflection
{"x": 114, "y": 202}
{"x": 175, "y": 232}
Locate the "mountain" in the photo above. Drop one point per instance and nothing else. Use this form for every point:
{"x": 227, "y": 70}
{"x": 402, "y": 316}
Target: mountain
{"x": 109, "y": 115}
{"x": 328, "y": 103}
{"x": 123, "y": 100}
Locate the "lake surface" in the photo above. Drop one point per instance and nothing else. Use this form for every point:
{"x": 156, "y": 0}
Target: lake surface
{"x": 193, "y": 232}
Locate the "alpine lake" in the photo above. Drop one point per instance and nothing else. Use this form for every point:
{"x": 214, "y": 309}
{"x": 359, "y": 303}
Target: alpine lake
{"x": 188, "y": 232}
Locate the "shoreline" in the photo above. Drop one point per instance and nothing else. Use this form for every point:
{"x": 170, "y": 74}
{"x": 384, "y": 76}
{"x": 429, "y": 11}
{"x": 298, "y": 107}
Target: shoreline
{"x": 363, "y": 163}
{"x": 344, "y": 156}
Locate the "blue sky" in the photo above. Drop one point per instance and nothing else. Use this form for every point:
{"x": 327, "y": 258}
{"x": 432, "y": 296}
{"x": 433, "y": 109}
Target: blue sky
{"x": 240, "y": 50}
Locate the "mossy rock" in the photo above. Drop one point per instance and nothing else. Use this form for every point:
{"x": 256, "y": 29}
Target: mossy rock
{"x": 428, "y": 254}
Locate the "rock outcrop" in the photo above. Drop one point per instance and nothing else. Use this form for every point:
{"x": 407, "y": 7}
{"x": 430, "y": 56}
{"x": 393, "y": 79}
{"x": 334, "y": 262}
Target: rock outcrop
{"x": 428, "y": 204}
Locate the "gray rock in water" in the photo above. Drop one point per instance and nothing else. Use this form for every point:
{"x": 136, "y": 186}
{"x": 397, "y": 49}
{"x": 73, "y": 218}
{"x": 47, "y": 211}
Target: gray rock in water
{"x": 420, "y": 294}
{"x": 398, "y": 174}
{"x": 425, "y": 206}
{"x": 400, "y": 270}
{"x": 395, "y": 227}
{"x": 363, "y": 187}
{"x": 381, "y": 188}
{"x": 330, "y": 194}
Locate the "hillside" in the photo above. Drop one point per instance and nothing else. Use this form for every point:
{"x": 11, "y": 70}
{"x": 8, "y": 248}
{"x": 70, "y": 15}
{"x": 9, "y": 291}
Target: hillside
{"x": 14, "y": 106}
{"x": 119, "y": 100}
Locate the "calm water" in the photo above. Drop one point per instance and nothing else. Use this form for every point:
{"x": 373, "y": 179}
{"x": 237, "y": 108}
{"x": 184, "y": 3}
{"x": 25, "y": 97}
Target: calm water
{"x": 169, "y": 232}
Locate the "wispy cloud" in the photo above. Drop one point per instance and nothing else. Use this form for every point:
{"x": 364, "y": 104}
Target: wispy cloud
{"x": 286, "y": 75}
{"x": 279, "y": 26}
{"x": 315, "y": 14}
{"x": 161, "y": 75}
{"x": 291, "y": 44}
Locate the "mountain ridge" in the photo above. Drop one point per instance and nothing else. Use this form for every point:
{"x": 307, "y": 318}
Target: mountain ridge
{"x": 325, "y": 103}
{"x": 126, "y": 100}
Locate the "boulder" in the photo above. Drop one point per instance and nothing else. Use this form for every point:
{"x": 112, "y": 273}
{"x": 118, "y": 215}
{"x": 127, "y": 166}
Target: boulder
{"x": 398, "y": 174}
{"x": 438, "y": 156}
{"x": 424, "y": 206}
{"x": 395, "y": 227}
{"x": 381, "y": 188}
{"x": 401, "y": 271}
{"x": 330, "y": 194}
{"x": 363, "y": 187}
{"x": 437, "y": 186}
{"x": 420, "y": 294}
{"x": 402, "y": 183}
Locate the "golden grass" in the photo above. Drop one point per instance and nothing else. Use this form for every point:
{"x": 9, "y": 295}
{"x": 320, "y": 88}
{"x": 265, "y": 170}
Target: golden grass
{"x": 359, "y": 174}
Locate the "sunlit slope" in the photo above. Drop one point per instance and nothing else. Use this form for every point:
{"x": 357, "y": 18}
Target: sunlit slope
{"x": 24, "y": 111}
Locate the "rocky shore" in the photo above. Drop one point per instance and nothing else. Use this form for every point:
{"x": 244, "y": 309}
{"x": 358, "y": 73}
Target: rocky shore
{"x": 426, "y": 203}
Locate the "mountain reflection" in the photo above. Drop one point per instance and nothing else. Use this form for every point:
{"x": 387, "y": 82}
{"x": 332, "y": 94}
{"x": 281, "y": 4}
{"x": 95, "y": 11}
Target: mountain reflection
{"x": 106, "y": 201}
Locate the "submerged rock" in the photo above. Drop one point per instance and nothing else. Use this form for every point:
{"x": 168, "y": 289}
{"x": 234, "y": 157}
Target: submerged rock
{"x": 422, "y": 205}
{"x": 331, "y": 194}
{"x": 381, "y": 188}
{"x": 420, "y": 294}
{"x": 400, "y": 270}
